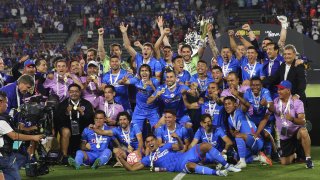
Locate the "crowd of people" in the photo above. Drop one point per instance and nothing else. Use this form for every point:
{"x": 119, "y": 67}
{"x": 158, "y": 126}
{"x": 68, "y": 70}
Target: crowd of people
{"x": 247, "y": 104}
{"x": 304, "y": 16}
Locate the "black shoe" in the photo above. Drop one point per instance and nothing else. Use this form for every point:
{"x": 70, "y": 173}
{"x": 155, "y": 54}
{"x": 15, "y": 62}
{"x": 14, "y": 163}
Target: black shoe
{"x": 309, "y": 164}
{"x": 64, "y": 160}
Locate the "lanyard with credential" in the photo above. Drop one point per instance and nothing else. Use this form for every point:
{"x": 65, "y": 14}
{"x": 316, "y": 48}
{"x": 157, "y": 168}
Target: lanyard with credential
{"x": 225, "y": 69}
{"x": 115, "y": 79}
{"x": 287, "y": 109}
{"x": 127, "y": 136}
{"x": 212, "y": 107}
{"x": 250, "y": 125}
{"x": 236, "y": 125}
{"x": 170, "y": 139}
{"x": 252, "y": 70}
{"x": 106, "y": 109}
{"x": 75, "y": 107}
{"x": 98, "y": 140}
{"x": 211, "y": 137}
{"x": 152, "y": 158}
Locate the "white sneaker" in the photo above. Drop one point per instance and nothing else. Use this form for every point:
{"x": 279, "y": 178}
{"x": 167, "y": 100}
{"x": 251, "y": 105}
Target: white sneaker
{"x": 222, "y": 173}
{"x": 232, "y": 168}
{"x": 240, "y": 165}
{"x": 219, "y": 166}
{"x": 264, "y": 159}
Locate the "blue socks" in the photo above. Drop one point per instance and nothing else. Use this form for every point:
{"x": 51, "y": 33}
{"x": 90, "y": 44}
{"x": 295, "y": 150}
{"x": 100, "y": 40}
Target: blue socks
{"x": 105, "y": 156}
{"x": 215, "y": 155}
{"x": 241, "y": 147}
{"x": 204, "y": 170}
{"x": 79, "y": 157}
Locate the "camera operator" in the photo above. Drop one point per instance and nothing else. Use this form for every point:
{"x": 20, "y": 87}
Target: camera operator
{"x": 72, "y": 116}
{"x": 17, "y": 91}
{"x": 7, "y": 135}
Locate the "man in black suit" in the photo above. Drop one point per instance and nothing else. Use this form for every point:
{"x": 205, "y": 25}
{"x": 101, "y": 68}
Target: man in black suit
{"x": 290, "y": 71}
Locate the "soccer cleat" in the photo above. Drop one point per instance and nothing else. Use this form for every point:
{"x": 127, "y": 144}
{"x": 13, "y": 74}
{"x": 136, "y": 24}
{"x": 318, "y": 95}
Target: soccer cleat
{"x": 264, "y": 159}
{"x": 240, "y": 165}
{"x": 232, "y": 168}
{"x": 222, "y": 173}
{"x": 118, "y": 164}
{"x": 73, "y": 163}
{"x": 309, "y": 164}
{"x": 219, "y": 166}
{"x": 96, "y": 164}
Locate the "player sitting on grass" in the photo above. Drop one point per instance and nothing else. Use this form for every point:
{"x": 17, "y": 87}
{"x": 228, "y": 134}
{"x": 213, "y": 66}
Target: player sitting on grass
{"x": 94, "y": 148}
{"x": 167, "y": 157}
{"x": 243, "y": 130}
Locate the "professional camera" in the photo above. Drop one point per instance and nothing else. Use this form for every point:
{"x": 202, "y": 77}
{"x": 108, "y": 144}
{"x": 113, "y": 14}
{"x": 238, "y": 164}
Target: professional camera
{"x": 39, "y": 112}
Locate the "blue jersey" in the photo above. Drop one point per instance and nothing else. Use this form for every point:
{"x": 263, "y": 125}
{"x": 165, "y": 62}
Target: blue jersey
{"x": 13, "y": 98}
{"x": 202, "y": 84}
{"x": 122, "y": 96}
{"x": 183, "y": 77}
{"x": 232, "y": 65}
{"x": 256, "y": 112}
{"x": 163, "y": 133}
{"x": 212, "y": 108}
{"x": 249, "y": 71}
{"x": 143, "y": 93}
{"x": 122, "y": 136}
{"x": 93, "y": 139}
{"x": 173, "y": 99}
{"x": 164, "y": 157}
{"x": 153, "y": 63}
{"x": 212, "y": 138}
{"x": 241, "y": 123}
{"x": 164, "y": 64}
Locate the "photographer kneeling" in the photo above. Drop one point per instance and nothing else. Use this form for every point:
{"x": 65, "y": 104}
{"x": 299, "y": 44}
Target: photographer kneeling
{"x": 7, "y": 135}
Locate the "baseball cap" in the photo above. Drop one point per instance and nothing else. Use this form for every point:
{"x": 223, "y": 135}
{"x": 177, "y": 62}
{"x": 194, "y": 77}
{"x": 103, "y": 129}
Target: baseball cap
{"x": 28, "y": 63}
{"x": 285, "y": 85}
{"x": 94, "y": 63}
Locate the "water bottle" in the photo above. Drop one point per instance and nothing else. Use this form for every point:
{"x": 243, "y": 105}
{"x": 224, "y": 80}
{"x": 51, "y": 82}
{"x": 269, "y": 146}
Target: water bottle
{"x": 159, "y": 169}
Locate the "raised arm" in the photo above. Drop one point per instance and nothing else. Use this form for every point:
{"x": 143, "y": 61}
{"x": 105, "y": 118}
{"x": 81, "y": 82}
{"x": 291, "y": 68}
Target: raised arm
{"x": 233, "y": 43}
{"x": 126, "y": 40}
{"x": 283, "y": 32}
{"x": 160, "y": 23}
{"x": 212, "y": 43}
{"x": 101, "y": 50}
{"x": 164, "y": 34}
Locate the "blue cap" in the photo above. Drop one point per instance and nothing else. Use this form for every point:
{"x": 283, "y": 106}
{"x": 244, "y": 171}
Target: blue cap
{"x": 285, "y": 85}
{"x": 28, "y": 63}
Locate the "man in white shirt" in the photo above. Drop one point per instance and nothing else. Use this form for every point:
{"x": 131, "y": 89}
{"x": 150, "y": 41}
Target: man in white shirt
{"x": 8, "y": 164}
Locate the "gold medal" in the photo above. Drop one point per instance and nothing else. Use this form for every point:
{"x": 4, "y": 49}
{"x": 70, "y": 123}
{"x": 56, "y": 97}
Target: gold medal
{"x": 144, "y": 86}
{"x": 93, "y": 77}
{"x": 282, "y": 116}
{"x": 130, "y": 147}
{"x": 65, "y": 79}
{"x": 75, "y": 108}
{"x": 98, "y": 146}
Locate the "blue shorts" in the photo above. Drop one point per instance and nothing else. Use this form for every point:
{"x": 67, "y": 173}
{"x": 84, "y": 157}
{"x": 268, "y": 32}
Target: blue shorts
{"x": 255, "y": 145}
{"x": 192, "y": 155}
{"x": 139, "y": 116}
{"x": 184, "y": 119}
{"x": 92, "y": 156}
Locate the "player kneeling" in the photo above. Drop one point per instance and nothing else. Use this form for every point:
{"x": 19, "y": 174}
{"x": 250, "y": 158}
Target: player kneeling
{"x": 94, "y": 148}
{"x": 167, "y": 157}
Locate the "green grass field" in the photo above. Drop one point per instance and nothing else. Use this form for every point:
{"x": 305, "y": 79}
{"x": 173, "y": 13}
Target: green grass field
{"x": 253, "y": 171}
